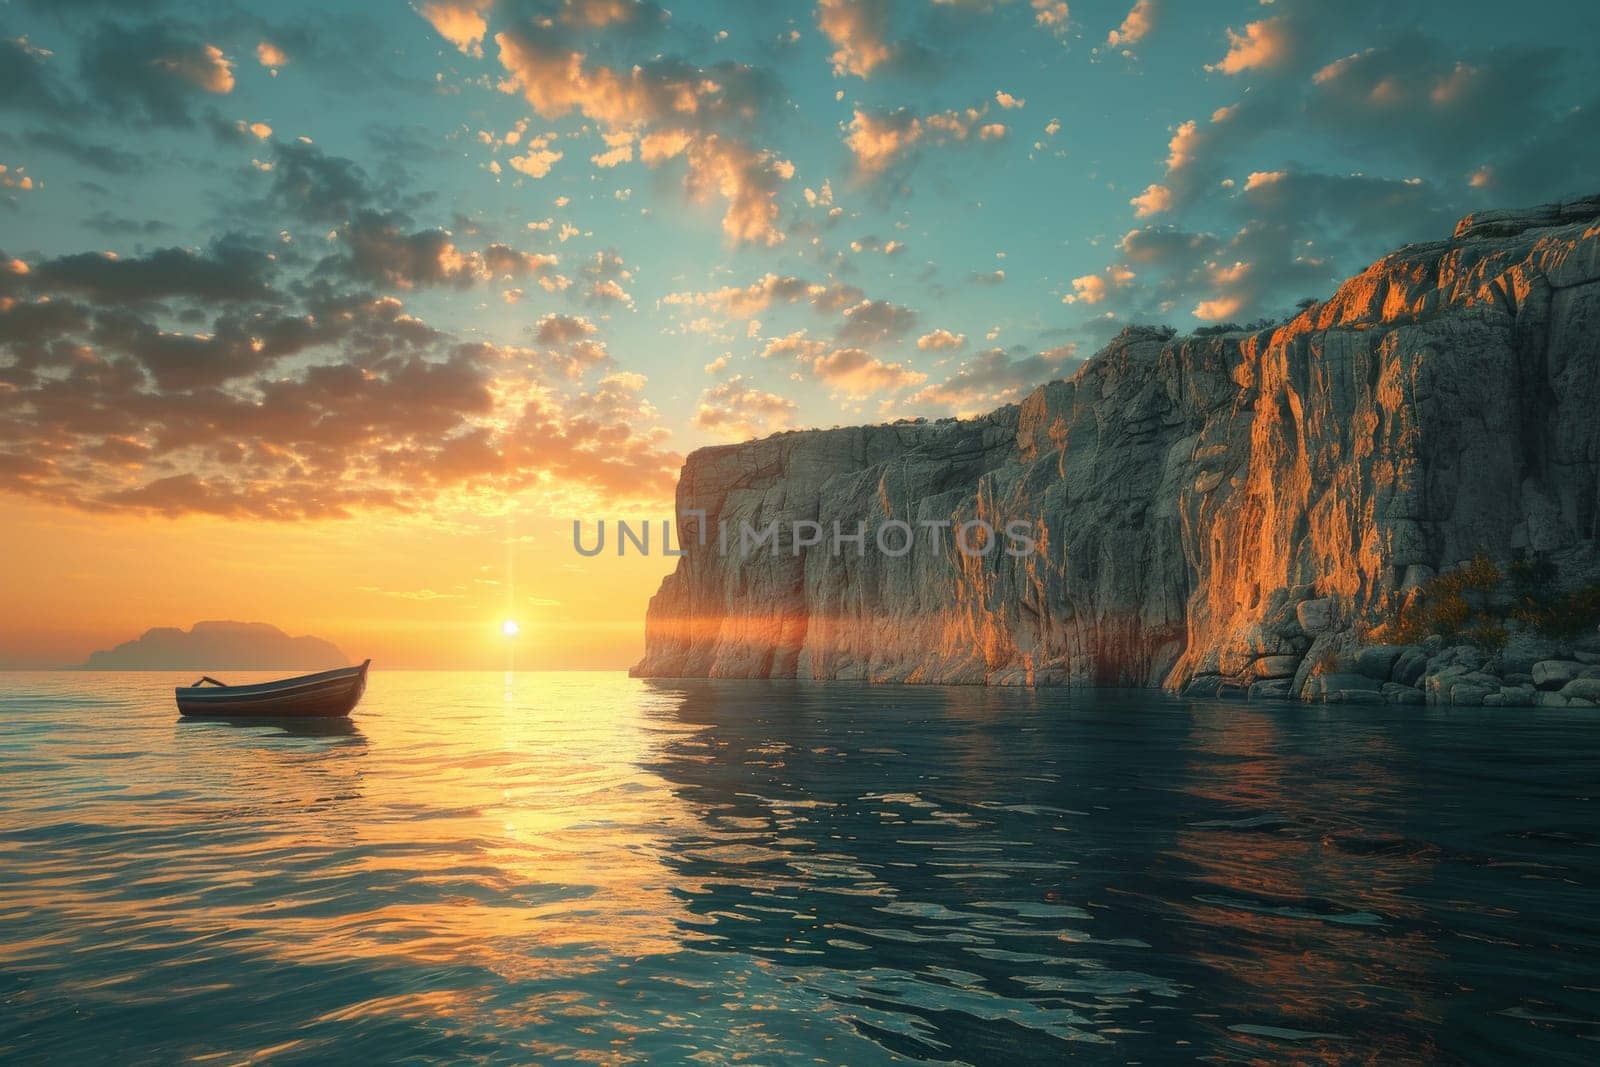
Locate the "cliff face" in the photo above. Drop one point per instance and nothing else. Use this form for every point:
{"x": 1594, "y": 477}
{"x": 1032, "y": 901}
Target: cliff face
{"x": 1212, "y": 511}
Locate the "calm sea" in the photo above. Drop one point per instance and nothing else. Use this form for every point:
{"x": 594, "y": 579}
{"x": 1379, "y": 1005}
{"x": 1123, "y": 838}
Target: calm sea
{"x": 527, "y": 868}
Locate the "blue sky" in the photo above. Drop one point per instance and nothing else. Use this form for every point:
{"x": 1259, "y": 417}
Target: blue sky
{"x": 392, "y": 251}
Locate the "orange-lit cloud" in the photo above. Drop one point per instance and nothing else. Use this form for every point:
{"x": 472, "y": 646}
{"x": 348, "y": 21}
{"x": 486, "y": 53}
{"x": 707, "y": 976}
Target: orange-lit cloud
{"x": 270, "y": 55}
{"x": 736, "y": 410}
{"x": 676, "y": 111}
{"x": 1154, "y": 200}
{"x": 1141, "y": 19}
{"x": 940, "y": 339}
{"x": 857, "y": 29}
{"x": 1218, "y": 309}
{"x": 1263, "y": 44}
{"x": 1053, "y": 15}
{"x": 880, "y": 139}
{"x": 461, "y": 22}
{"x": 204, "y": 68}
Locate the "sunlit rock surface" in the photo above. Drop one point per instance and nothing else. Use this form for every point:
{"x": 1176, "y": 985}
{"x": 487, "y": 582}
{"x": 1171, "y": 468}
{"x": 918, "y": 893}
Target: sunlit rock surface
{"x": 1223, "y": 514}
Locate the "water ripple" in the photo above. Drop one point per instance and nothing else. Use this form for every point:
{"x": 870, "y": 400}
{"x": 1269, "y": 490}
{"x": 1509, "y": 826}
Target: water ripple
{"x": 510, "y": 869}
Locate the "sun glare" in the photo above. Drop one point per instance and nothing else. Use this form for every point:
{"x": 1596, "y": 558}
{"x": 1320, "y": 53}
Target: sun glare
{"x": 510, "y": 628}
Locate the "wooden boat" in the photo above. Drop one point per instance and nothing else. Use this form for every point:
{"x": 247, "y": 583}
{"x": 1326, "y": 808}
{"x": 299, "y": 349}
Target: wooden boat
{"x": 328, "y": 694}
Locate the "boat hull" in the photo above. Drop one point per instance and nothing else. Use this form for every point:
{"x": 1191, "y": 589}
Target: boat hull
{"x": 330, "y": 694}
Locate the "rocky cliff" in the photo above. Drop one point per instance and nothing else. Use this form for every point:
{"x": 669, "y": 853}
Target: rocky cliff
{"x": 1239, "y": 512}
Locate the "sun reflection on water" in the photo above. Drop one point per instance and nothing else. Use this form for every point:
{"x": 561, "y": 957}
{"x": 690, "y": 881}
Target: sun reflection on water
{"x": 508, "y": 867}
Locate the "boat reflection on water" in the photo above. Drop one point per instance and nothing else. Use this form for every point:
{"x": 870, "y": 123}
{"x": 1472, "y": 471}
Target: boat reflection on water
{"x": 292, "y": 725}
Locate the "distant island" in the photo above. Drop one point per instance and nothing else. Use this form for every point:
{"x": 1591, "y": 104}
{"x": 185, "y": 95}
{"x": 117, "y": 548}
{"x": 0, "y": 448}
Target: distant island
{"x": 218, "y": 645}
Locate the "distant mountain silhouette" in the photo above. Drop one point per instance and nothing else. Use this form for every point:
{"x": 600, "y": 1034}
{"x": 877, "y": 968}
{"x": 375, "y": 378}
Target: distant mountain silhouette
{"x": 219, "y": 645}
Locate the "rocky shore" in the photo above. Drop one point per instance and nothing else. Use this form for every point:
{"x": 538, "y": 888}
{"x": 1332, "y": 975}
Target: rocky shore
{"x": 1309, "y": 511}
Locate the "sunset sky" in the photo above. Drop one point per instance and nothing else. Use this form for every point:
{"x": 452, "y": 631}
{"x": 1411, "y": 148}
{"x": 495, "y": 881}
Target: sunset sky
{"x": 336, "y": 316}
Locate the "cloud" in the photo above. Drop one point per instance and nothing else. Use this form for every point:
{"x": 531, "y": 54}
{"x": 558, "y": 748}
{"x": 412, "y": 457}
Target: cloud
{"x": 381, "y": 250}
{"x": 1053, "y": 15}
{"x": 745, "y": 179}
{"x": 875, "y": 320}
{"x": 881, "y": 139}
{"x": 940, "y": 339}
{"x": 271, "y": 56}
{"x": 619, "y": 150}
{"x": 29, "y": 82}
{"x": 226, "y": 272}
{"x": 857, "y": 372}
{"x": 857, "y": 30}
{"x": 848, "y": 368}
{"x": 743, "y": 302}
{"x": 1297, "y": 233}
{"x": 610, "y": 291}
{"x": 1154, "y": 200}
{"x": 461, "y": 22}
{"x": 873, "y": 243}
{"x": 1164, "y": 247}
{"x": 878, "y": 139}
{"x": 678, "y": 110}
{"x": 536, "y": 161}
{"x": 1094, "y": 288}
{"x": 152, "y": 72}
{"x": 737, "y": 411}
{"x": 1411, "y": 99}
{"x": 1263, "y": 44}
{"x": 106, "y": 410}
{"x": 996, "y": 376}
{"x": 316, "y": 186}
{"x": 1140, "y": 21}
{"x": 15, "y": 178}
{"x": 554, "y": 329}
{"x": 1199, "y": 154}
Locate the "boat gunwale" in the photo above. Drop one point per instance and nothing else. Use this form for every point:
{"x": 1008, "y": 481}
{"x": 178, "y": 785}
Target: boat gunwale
{"x": 221, "y": 694}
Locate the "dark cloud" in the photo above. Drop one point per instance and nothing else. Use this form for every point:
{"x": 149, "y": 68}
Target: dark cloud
{"x": 1294, "y": 234}
{"x": 344, "y": 403}
{"x": 108, "y": 159}
{"x": 152, "y": 72}
{"x": 1204, "y": 152}
{"x": 315, "y": 186}
{"x": 382, "y": 249}
{"x": 871, "y": 321}
{"x": 226, "y": 271}
{"x": 1413, "y": 99}
{"x": 335, "y": 47}
{"x": 1427, "y": 132}
{"x": 996, "y": 376}
{"x": 29, "y": 82}
{"x": 1559, "y": 159}
{"x": 1345, "y": 208}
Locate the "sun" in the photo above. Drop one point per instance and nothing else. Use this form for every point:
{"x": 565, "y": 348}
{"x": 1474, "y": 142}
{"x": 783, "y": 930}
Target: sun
{"x": 510, "y": 628}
